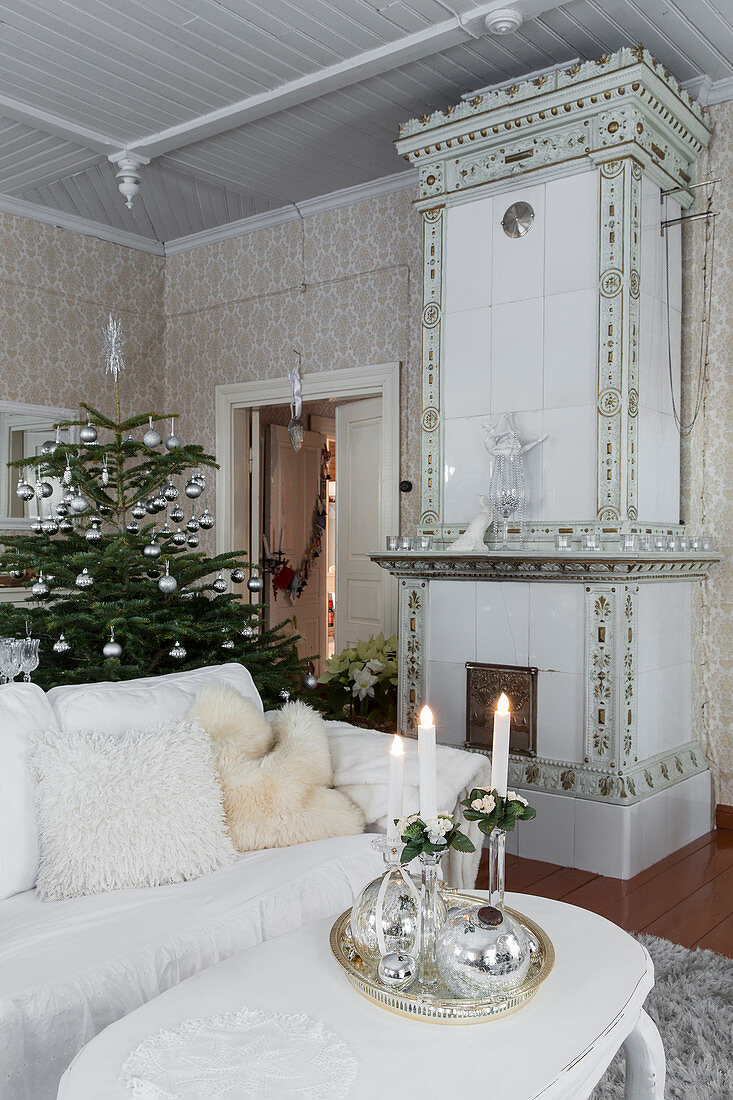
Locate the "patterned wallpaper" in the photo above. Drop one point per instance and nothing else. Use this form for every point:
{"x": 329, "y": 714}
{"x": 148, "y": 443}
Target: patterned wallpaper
{"x": 707, "y": 459}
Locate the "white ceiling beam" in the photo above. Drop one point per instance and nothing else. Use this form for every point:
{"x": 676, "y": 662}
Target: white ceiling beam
{"x": 390, "y": 55}
{"x": 59, "y": 127}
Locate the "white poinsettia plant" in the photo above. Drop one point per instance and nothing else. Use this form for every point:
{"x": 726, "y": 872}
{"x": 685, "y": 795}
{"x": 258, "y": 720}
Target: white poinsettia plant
{"x": 362, "y": 680}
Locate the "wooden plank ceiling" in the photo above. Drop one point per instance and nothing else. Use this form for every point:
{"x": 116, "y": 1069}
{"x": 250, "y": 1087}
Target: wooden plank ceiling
{"x": 246, "y": 106}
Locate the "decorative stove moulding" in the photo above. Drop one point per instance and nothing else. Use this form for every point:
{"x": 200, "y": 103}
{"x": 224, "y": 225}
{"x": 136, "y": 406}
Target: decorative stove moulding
{"x": 539, "y": 535}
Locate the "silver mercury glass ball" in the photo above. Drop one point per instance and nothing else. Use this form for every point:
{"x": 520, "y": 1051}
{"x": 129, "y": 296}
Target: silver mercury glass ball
{"x": 219, "y": 585}
{"x": 192, "y": 540}
{"x": 112, "y": 648}
{"x": 227, "y": 644}
{"x": 44, "y": 489}
{"x": 84, "y": 580}
{"x": 25, "y": 491}
{"x": 284, "y": 694}
{"x": 159, "y": 502}
{"x": 49, "y": 526}
{"x": 66, "y": 526}
{"x": 199, "y": 478}
{"x": 169, "y": 491}
{"x": 61, "y": 646}
{"x": 172, "y": 442}
{"x": 150, "y": 506}
{"x": 178, "y": 538}
{"x": 177, "y": 651}
{"x": 193, "y": 489}
{"x": 104, "y": 509}
{"x": 139, "y": 510}
{"x": 310, "y": 682}
{"x": 247, "y": 631}
{"x": 49, "y": 447}
{"x": 397, "y": 969}
{"x": 17, "y": 574}
{"x": 40, "y": 588}
{"x": 78, "y": 504}
{"x": 206, "y": 520}
{"x": 133, "y": 527}
{"x": 93, "y": 534}
{"x": 237, "y": 575}
{"x": 37, "y": 526}
{"x": 176, "y": 514}
{"x": 88, "y": 434}
{"x": 400, "y": 917}
{"x": 62, "y": 510}
{"x": 151, "y": 438}
{"x": 193, "y": 524}
{"x": 481, "y": 951}
{"x": 151, "y": 550}
{"x": 255, "y": 583}
{"x": 167, "y": 584}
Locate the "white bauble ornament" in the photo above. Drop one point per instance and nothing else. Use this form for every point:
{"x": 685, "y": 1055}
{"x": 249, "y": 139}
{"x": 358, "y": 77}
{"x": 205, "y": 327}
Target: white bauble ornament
{"x": 237, "y": 575}
{"x": 255, "y": 583}
{"x": 40, "y": 588}
{"x": 219, "y": 585}
{"x": 84, "y": 580}
{"x": 167, "y": 583}
{"x": 61, "y": 646}
{"x": 88, "y": 434}
{"x": 78, "y": 504}
{"x": 193, "y": 489}
{"x": 206, "y": 520}
{"x": 151, "y": 438}
{"x": 177, "y": 651}
{"x": 112, "y": 648}
{"x": 178, "y": 538}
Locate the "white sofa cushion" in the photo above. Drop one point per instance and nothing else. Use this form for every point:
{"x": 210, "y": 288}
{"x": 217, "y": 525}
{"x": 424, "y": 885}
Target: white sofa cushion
{"x": 24, "y": 712}
{"x": 141, "y": 704}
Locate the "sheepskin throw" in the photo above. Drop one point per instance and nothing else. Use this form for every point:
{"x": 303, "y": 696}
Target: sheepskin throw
{"x": 275, "y": 772}
{"x": 139, "y": 809}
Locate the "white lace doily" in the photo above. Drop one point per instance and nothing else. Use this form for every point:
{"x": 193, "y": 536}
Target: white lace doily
{"x": 241, "y": 1054}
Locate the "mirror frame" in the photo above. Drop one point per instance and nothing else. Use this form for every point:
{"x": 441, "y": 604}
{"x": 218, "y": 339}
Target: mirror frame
{"x": 53, "y": 413}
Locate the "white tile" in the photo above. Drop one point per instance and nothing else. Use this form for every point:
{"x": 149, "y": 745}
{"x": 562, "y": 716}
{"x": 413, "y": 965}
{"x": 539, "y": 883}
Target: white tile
{"x": 556, "y": 616}
{"x": 549, "y": 836}
{"x": 648, "y": 712}
{"x": 560, "y": 703}
{"x": 652, "y": 351}
{"x": 689, "y": 810}
{"x": 664, "y": 713}
{"x": 452, "y": 621}
{"x": 571, "y": 349}
{"x": 654, "y": 837}
{"x": 675, "y": 266}
{"x": 516, "y": 356}
{"x": 502, "y": 622}
{"x": 569, "y": 464}
{"x": 608, "y": 839}
{"x": 571, "y": 234}
{"x": 652, "y": 274}
{"x": 669, "y": 470}
{"x": 469, "y": 233}
{"x": 445, "y": 691}
{"x": 467, "y": 363}
{"x": 650, "y": 205}
{"x": 518, "y": 262}
{"x": 671, "y": 343}
{"x": 664, "y": 632}
{"x": 647, "y": 470}
{"x": 466, "y": 470}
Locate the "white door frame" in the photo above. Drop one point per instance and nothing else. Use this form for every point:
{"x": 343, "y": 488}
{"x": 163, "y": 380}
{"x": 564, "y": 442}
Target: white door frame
{"x": 379, "y": 380}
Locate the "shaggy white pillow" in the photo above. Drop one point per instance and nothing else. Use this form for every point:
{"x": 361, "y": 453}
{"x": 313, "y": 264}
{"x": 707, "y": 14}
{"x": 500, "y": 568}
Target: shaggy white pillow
{"x": 275, "y": 771}
{"x": 141, "y": 809}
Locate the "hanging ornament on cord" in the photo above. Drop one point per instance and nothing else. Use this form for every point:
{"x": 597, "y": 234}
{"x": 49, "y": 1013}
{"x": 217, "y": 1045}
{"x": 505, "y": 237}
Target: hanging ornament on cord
{"x": 23, "y": 490}
{"x": 206, "y": 520}
{"x": 49, "y": 526}
{"x": 178, "y": 538}
{"x": 172, "y": 441}
{"x": 105, "y": 473}
{"x": 133, "y": 527}
{"x": 151, "y": 438}
{"x": 167, "y": 583}
{"x": 139, "y": 510}
{"x": 67, "y": 475}
{"x": 61, "y": 646}
{"x": 112, "y": 648}
{"x": 44, "y": 489}
{"x": 177, "y": 652}
{"x": 193, "y": 540}
{"x": 309, "y": 680}
{"x": 84, "y": 579}
{"x": 88, "y": 434}
{"x": 237, "y": 575}
{"x": 255, "y": 583}
{"x": 176, "y": 514}
{"x": 169, "y": 491}
{"x": 40, "y": 588}
{"x": 227, "y": 644}
{"x": 219, "y": 585}
{"x": 193, "y": 523}
{"x": 193, "y": 488}
{"x": 94, "y": 533}
{"x": 247, "y": 631}
{"x": 151, "y": 549}
{"x": 78, "y": 504}
{"x": 296, "y": 430}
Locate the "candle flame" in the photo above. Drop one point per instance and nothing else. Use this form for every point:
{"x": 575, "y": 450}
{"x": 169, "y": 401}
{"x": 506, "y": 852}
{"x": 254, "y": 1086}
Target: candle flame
{"x": 426, "y": 716}
{"x": 503, "y": 704}
{"x": 397, "y": 749}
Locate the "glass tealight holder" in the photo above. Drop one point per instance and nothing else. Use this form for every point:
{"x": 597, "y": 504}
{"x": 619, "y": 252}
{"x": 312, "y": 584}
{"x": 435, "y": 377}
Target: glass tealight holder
{"x": 405, "y": 542}
{"x": 645, "y": 542}
{"x": 694, "y": 542}
{"x": 392, "y": 542}
{"x": 591, "y": 541}
{"x": 628, "y": 542}
{"x": 673, "y": 543}
{"x": 562, "y": 542}
{"x": 660, "y": 542}
{"x": 683, "y": 544}
{"x": 424, "y": 542}
{"x": 706, "y": 543}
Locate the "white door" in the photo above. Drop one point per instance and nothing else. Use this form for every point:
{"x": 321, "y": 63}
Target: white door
{"x": 365, "y": 594}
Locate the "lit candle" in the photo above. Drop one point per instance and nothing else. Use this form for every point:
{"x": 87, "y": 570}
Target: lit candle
{"x": 394, "y": 796}
{"x": 427, "y": 765}
{"x": 500, "y": 752}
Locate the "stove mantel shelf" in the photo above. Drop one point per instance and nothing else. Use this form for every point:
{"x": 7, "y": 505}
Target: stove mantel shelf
{"x": 547, "y": 565}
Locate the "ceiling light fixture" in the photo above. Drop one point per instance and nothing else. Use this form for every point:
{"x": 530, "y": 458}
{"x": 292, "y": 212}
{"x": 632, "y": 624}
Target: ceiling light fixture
{"x": 128, "y": 174}
{"x": 503, "y": 21}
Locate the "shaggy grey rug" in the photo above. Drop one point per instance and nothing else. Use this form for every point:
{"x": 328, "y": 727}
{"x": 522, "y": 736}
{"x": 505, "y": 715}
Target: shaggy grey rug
{"x": 692, "y": 1005}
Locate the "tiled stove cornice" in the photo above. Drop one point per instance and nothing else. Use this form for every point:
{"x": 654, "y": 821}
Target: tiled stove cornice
{"x": 516, "y": 565}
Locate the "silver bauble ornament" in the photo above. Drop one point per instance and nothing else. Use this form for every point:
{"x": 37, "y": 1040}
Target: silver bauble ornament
{"x": 37, "y": 526}
{"x": 93, "y": 534}
{"x": 49, "y": 447}
{"x": 151, "y": 549}
{"x": 177, "y": 652}
{"x": 84, "y": 580}
{"x": 176, "y": 514}
{"x": 178, "y": 538}
{"x": 153, "y": 573}
{"x": 247, "y": 631}
{"x": 138, "y": 510}
{"x": 133, "y": 527}
{"x": 206, "y": 520}
{"x": 227, "y": 644}
{"x": 193, "y": 540}
{"x": 78, "y": 504}
{"x": 104, "y": 509}
{"x": 165, "y": 530}
{"x": 159, "y": 502}
{"x": 61, "y": 646}
{"x": 67, "y": 497}
{"x": 169, "y": 491}
{"x": 49, "y": 526}
{"x": 40, "y": 588}
{"x": 284, "y": 694}
{"x": 17, "y": 574}
{"x": 24, "y": 490}
{"x": 112, "y": 648}
{"x": 219, "y": 585}
{"x": 167, "y": 583}
{"x": 255, "y": 583}
{"x": 193, "y": 524}
{"x": 62, "y": 510}
{"x": 309, "y": 681}
{"x": 88, "y": 434}
{"x": 193, "y": 489}
{"x": 150, "y": 507}
{"x": 172, "y": 442}
{"x": 44, "y": 489}
{"x": 386, "y": 916}
{"x": 151, "y": 438}
{"x": 397, "y": 969}
{"x": 66, "y": 526}
{"x": 237, "y": 575}
{"x": 481, "y": 951}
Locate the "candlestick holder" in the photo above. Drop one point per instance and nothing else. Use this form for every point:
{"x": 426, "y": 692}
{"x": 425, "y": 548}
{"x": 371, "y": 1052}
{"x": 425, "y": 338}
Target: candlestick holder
{"x": 432, "y": 917}
{"x": 385, "y": 917}
{"x": 497, "y": 864}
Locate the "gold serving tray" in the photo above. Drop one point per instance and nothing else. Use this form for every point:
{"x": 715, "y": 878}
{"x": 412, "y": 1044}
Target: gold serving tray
{"x": 442, "y": 1007}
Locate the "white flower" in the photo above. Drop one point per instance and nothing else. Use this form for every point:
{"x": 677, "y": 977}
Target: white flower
{"x": 375, "y": 666}
{"x": 512, "y": 796}
{"x": 364, "y": 682}
{"x": 484, "y": 805}
{"x": 438, "y": 827}
{"x": 405, "y": 821}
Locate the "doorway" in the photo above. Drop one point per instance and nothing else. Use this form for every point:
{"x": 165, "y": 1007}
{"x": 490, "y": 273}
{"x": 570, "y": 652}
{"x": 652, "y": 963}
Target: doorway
{"x": 313, "y": 517}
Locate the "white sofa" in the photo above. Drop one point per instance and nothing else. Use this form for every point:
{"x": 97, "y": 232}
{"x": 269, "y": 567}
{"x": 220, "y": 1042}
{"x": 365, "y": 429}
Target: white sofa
{"x": 68, "y": 969}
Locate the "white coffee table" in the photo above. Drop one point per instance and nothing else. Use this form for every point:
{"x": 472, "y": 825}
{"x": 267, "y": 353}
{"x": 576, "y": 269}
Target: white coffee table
{"x": 557, "y": 1047}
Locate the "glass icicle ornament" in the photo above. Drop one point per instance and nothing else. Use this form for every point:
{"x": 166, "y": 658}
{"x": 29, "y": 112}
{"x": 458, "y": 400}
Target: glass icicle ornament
{"x": 507, "y": 490}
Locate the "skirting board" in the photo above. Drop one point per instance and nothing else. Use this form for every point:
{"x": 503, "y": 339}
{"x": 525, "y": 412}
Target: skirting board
{"x": 723, "y": 816}
{"x": 612, "y": 840}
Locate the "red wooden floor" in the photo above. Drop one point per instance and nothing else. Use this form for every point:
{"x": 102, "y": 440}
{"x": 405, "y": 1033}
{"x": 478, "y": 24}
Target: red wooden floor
{"x": 686, "y": 898}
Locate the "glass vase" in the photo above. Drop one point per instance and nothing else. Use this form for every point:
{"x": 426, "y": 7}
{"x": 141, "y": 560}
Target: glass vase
{"x": 497, "y": 855}
{"x": 432, "y": 916}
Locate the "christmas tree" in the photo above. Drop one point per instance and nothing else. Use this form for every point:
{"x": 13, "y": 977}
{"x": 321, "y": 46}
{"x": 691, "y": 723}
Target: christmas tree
{"x": 118, "y": 588}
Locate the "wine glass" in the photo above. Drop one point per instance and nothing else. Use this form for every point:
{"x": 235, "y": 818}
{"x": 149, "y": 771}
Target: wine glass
{"x": 5, "y": 659}
{"x": 28, "y": 657}
{"x": 14, "y": 659}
